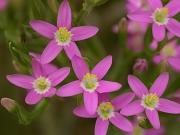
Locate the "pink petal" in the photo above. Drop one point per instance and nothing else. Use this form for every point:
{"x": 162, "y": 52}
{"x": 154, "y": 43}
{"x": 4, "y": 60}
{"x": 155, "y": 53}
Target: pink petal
{"x": 168, "y": 106}
{"x": 59, "y": 75}
{"x": 37, "y": 68}
{"x": 102, "y": 67}
{"x": 32, "y": 98}
{"x": 3, "y": 4}
{"x": 175, "y": 63}
{"x": 153, "y": 118}
{"x": 155, "y": 4}
{"x": 64, "y": 15}
{"x": 51, "y": 92}
{"x": 72, "y": 50}
{"x": 81, "y": 112}
{"x": 50, "y": 52}
{"x": 154, "y": 45}
{"x": 22, "y": 81}
{"x": 158, "y": 32}
{"x": 49, "y": 68}
{"x": 132, "y": 108}
{"x": 35, "y": 56}
{"x": 79, "y": 66}
{"x": 157, "y": 59}
{"x": 121, "y": 122}
{"x": 108, "y": 86}
{"x": 101, "y": 127}
{"x": 173, "y": 7}
{"x": 70, "y": 89}
{"x": 141, "y": 17}
{"x": 83, "y": 32}
{"x": 43, "y": 28}
{"x": 122, "y": 100}
{"x": 103, "y": 97}
{"x": 160, "y": 84}
{"x": 173, "y": 26}
{"x": 90, "y": 101}
{"x": 137, "y": 86}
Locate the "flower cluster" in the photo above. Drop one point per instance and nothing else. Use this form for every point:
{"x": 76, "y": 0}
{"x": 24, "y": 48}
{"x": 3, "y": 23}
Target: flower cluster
{"x": 45, "y": 77}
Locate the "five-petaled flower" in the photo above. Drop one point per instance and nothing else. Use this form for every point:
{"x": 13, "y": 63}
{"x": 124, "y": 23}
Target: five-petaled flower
{"x": 108, "y": 111}
{"x": 89, "y": 83}
{"x": 150, "y": 101}
{"x": 161, "y": 18}
{"x": 62, "y": 36}
{"x": 169, "y": 54}
{"x": 42, "y": 83}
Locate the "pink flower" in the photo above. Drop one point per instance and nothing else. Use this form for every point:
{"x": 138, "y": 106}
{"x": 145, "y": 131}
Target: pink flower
{"x": 89, "y": 83}
{"x": 134, "y": 5}
{"x": 108, "y": 111}
{"x": 136, "y": 32}
{"x": 62, "y": 36}
{"x": 41, "y": 83}
{"x": 160, "y": 131}
{"x": 150, "y": 101}
{"x": 160, "y": 17}
{"x": 3, "y": 4}
{"x": 169, "y": 54}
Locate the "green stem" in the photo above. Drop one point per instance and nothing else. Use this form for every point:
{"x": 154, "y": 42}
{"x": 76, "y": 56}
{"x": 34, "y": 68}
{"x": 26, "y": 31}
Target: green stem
{"x": 25, "y": 117}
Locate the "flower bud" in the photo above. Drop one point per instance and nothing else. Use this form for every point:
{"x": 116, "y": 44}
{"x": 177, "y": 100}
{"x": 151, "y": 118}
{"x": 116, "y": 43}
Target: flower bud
{"x": 140, "y": 65}
{"x": 143, "y": 122}
{"x": 8, "y": 104}
{"x": 123, "y": 25}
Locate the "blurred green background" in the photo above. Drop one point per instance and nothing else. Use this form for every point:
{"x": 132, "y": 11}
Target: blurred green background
{"x": 17, "y": 39}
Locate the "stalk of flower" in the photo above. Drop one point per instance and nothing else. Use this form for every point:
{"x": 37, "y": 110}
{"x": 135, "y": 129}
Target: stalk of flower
{"x": 108, "y": 112}
{"x": 169, "y": 55}
{"x": 41, "y": 84}
{"x": 161, "y": 18}
{"x": 150, "y": 101}
{"x": 90, "y": 83}
{"x": 62, "y": 36}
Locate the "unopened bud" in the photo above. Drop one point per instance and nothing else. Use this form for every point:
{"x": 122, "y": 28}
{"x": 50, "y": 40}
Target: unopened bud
{"x": 8, "y": 104}
{"x": 140, "y": 65}
{"x": 143, "y": 122}
{"x": 123, "y": 25}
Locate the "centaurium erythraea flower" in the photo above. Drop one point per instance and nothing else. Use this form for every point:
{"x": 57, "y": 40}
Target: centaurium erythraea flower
{"x": 108, "y": 112}
{"x": 169, "y": 55}
{"x": 90, "y": 83}
{"x": 161, "y": 18}
{"x": 62, "y": 36}
{"x": 3, "y": 4}
{"x": 41, "y": 83}
{"x": 150, "y": 101}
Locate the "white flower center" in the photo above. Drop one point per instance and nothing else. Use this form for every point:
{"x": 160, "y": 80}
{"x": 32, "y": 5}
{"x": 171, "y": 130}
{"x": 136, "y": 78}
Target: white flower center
{"x": 160, "y": 16}
{"x": 150, "y": 101}
{"x": 168, "y": 51}
{"x": 63, "y": 36}
{"x": 105, "y": 110}
{"x": 41, "y": 85}
{"x": 89, "y": 82}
